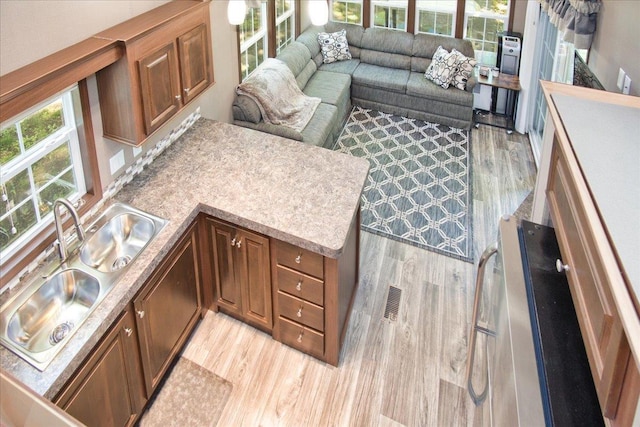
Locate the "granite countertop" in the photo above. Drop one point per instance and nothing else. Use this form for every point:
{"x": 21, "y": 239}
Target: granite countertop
{"x": 305, "y": 195}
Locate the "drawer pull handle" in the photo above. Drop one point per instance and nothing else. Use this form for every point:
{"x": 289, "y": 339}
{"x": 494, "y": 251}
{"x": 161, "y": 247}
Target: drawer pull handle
{"x": 299, "y": 313}
{"x": 560, "y": 267}
{"x": 140, "y": 313}
{"x": 299, "y": 259}
{"x": 299, "y": 285}
{"x": 128, "y": 331}
{"x": 300, "y": 336}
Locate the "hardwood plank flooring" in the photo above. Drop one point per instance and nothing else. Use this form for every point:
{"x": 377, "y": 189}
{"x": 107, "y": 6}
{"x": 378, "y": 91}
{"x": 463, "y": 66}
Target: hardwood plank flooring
{"x": 404, "y": 372}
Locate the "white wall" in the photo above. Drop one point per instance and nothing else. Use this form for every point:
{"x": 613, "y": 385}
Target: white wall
{"x": 617, "y": 44}
{"x": 33, "y": 29}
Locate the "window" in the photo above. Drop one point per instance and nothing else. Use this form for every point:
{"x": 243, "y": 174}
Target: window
{"x": 349, "y": 11}
{"x": 41, "y": 161}
{"x": 389, "y": 14}
{"x": 285, "y": 23}
{"x": 263, "y": 34}
{"x": 484, "y": 19}
{"x": 436, "y": 17}
{"x": 253, "y": 39}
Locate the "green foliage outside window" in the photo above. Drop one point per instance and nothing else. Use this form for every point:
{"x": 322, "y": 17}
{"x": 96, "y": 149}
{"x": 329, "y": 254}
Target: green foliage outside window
{"x": 344, "y": 11}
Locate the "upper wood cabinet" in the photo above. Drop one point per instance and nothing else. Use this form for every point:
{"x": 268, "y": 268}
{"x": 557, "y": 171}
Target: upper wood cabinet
{"x": 166, "y": 63}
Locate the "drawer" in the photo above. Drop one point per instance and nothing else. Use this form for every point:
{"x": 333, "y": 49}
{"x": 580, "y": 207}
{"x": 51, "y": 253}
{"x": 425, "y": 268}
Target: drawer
{"x": 304, "y": 339}
{"x": 590, "y": 286}
{"x": 301, "y": 311}
{"x": 300, "y": 285}
{"x": 300, "y": 259}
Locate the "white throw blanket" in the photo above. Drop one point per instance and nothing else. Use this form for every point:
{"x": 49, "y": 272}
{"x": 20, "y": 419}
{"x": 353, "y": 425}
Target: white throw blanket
{"x": 273, "y": 87}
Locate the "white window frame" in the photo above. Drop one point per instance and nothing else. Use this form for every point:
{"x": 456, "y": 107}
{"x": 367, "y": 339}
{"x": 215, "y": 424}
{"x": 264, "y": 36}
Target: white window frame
{"x": 360, "y": 2}
{"x": 68, "y": 134}
{"x": 481, "y": 57}
{"x": 262, "y": 34}
{"x": 280, "y": 19}
{"x": 448, "y": 7}
{"x": 390, "y": 4}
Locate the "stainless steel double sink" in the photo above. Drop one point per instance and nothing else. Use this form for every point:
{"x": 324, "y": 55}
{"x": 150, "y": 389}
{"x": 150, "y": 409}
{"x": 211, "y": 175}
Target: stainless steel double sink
{"x": 38, "y": 321}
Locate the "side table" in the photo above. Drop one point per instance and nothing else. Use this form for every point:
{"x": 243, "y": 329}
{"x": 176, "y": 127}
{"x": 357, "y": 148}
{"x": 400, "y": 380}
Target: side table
{"x": 509, "y": 82}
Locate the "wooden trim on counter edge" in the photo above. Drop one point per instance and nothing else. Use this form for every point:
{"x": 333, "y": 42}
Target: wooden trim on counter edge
{"x": 625, "y": 305}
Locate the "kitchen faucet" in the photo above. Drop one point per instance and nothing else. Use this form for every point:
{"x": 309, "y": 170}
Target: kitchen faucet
{"x": 62, "y": 243}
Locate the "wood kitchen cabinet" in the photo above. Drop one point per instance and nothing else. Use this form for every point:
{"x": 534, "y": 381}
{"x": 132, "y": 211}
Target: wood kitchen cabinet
{"x": 168, "y": 308}
{"x": 166, "y": 63}
{"x": 592, "y": 249}
{"x": 108, "y": 390}
{"x": 241, "y": 273}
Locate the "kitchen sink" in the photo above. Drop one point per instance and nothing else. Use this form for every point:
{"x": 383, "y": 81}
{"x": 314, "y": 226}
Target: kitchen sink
{"x": 116, "y": 243}
{"x": 37, "y": 322}
{"x": 51, "y": 312}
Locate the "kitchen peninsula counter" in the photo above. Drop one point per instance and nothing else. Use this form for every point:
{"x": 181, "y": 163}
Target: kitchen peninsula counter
{"x": 286, "y": 190}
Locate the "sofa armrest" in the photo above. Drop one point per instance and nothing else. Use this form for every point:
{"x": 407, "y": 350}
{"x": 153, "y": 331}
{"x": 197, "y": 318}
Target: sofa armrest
{"x": 471, "y": 83}
{"x": 277, "y": 130}
{"x": 245, "y": 109}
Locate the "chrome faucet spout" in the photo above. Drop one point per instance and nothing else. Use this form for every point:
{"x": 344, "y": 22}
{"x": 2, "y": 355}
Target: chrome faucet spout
{"x": 57, "y": 217}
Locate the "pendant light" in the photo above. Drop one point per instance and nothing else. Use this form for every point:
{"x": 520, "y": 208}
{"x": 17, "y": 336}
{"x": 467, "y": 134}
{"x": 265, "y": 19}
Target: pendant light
{"x": 236, "y": 11}
{"x": 318, "y": 12}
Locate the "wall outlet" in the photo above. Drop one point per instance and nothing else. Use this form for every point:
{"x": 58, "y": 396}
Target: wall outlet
{"x": 116, "y": 162}
{"x": 627, "y": 85}
{"x": 621, "y": 75}
{"x": 136, "y": 151}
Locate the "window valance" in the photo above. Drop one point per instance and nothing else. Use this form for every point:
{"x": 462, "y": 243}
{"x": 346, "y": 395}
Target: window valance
{"x": 576, "y": 19}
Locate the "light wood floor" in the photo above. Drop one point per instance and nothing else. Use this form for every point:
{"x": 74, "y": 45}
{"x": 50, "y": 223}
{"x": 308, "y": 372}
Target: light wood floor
{"x": 407, "y": 372}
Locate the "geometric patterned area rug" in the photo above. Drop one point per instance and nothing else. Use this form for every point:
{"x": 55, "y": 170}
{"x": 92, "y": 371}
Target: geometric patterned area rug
{"x": 418, "y": 188}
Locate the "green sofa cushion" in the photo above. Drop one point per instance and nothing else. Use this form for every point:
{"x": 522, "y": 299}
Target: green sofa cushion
{"x": 381, "y": 77}
{"x": 420, "y": 86}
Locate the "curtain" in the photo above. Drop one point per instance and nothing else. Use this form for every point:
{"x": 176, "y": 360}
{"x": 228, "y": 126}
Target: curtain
{"x": 576, "y": 19}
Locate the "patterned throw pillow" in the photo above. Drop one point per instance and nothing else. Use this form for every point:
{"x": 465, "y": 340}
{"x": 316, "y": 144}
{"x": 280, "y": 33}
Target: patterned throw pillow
{"x": 464, "y": 69}
{"x": 334, "y": 46}
{"x": 442, "y": 68}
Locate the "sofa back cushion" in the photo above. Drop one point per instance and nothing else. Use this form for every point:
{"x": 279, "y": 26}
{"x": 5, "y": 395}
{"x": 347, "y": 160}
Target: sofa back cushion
{"x": 354, "y": 35}
{"x": 295, "y": 55}
{"x": 387, "y": 48}
{"x": 309, "y": 38}
{"x": 425, "y": 46}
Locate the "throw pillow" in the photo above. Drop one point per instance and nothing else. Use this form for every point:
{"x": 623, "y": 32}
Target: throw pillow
{"x": 464, "y": 69}
{"x": 442, "y": 67}
{"x": 334, "y": 46}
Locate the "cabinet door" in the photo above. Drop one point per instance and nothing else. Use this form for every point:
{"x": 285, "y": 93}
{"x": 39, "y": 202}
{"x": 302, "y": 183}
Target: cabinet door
{"x": 160, "y": 86}
{"x": 167, "y": 310}
{"x": 108, "y": 390}
{"x": 254, "y": 262}
{"x": 195, "y": 70}
{"x": 223, "y": 244}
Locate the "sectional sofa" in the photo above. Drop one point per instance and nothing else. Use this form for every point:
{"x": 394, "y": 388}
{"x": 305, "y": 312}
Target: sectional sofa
{"x": 386, "y": 73}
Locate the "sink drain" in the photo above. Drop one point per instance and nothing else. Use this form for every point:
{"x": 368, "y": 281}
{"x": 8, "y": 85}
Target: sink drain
{"x": 120, "y": 262}
{"x": 59, "y": 332}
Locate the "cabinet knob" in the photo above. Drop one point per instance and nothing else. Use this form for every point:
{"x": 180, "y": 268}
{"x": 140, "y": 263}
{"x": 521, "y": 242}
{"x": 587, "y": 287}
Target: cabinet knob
{"x": 239, "y": 243}
{"x": 299, "y": 285}
{"x": 187, "y": 90}
{"x": 178, "y": 97}
{"x": 299, "y": 313}
{"x": 128, "y": 331}
{"x": 300, "y": 336}
{"x": 140, "y": 313}
{"x": 299, "y": 259}
{"x": 560, "y": 267}
{"x": 233, "y": 242}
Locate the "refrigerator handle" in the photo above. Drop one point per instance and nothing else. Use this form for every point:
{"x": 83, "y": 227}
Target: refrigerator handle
{"x": 475, "y": 328}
